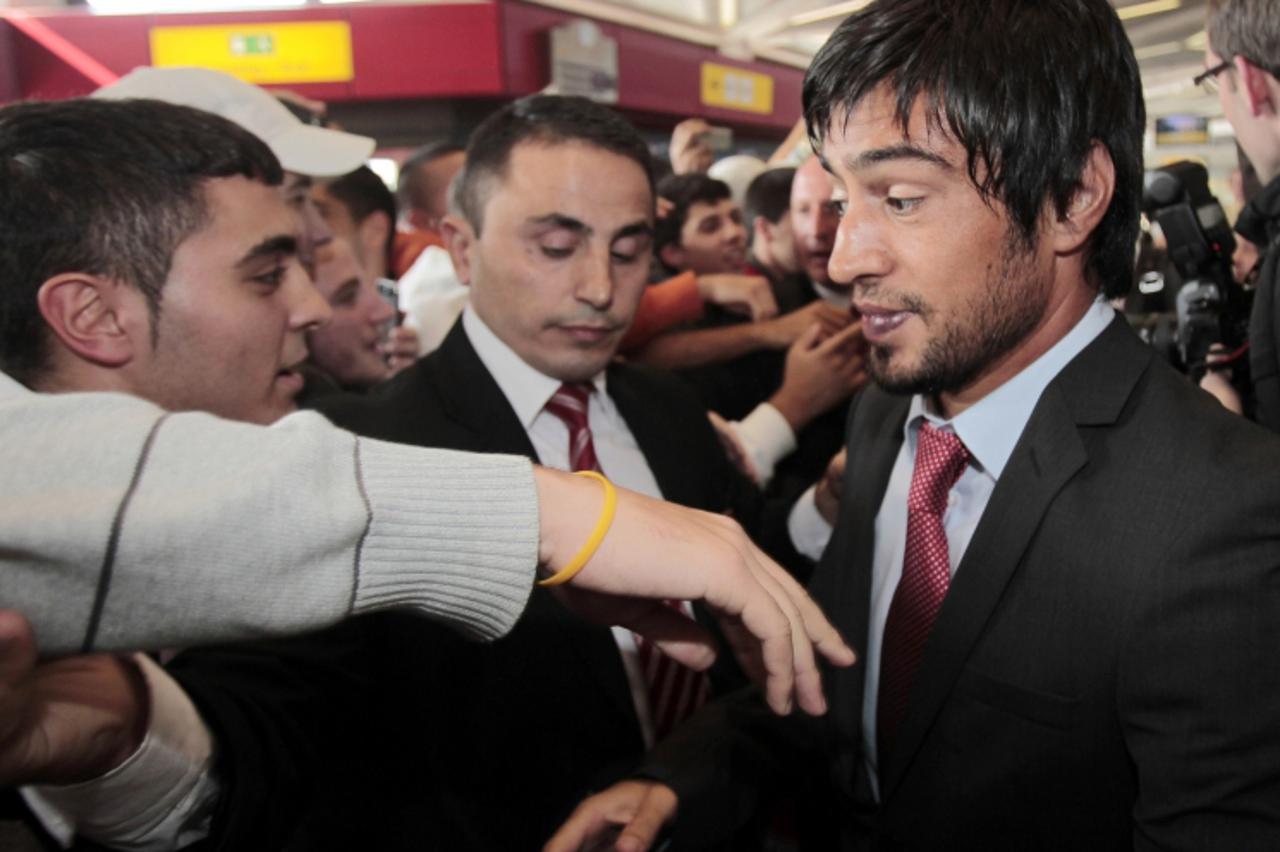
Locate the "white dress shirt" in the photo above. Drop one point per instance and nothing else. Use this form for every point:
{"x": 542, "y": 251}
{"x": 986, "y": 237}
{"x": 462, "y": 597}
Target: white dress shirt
{"x": 990, "y": 429}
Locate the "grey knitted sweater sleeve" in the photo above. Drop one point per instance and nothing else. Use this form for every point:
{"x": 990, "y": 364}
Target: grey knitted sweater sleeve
{"x": 122, "y": 526}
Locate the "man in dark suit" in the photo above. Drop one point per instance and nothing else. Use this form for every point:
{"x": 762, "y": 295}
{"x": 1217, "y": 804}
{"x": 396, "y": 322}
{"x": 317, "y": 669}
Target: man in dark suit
{"x": 554, "y": 243}
{"x": 1060, "y": 559}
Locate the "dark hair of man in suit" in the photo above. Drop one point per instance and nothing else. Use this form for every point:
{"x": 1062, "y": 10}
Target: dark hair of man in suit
{"x": 363, "y": 193}
{"x": 684, "y": 191}
{"x": 1248, "y": 28}
{"x": 541, "y": 119}
{"x": 105, "y": 187}
{"x": 1025, "y": 88}
{"x": 769, "y": 195}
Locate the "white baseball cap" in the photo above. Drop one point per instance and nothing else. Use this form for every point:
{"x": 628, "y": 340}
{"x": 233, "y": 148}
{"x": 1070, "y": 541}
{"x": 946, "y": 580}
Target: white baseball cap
{"x": 301, "y": 148}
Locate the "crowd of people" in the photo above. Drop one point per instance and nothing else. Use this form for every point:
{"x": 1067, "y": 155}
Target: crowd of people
{"x": 528, "y": 572}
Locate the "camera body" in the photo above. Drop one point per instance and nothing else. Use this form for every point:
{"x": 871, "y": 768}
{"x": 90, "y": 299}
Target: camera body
{"x": 1212, "y": 308}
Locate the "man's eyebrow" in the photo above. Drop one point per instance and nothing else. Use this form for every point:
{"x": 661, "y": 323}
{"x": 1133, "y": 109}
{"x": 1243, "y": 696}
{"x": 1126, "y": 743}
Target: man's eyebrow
{"x": 282, "y": 244}
{"x": 635, "y": 229}
{"x": 559, "y": 220}
{"x": 903, "y": 151}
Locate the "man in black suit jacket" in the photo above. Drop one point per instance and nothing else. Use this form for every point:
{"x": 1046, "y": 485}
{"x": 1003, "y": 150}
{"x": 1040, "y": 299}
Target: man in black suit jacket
{"x": 1093, "y": 594}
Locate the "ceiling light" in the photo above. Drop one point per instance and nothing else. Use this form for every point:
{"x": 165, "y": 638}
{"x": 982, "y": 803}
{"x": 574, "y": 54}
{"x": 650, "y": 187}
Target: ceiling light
{"x": 728, "y": 13}
{"x": 1152, "y": 7}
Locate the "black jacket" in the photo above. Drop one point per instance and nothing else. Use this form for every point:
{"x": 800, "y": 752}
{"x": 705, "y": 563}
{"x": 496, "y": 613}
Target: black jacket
{"x": 1260, "y": 223}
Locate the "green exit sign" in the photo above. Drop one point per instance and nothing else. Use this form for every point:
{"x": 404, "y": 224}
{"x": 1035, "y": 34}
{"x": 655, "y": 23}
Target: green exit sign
{"x": 252, "y": 45}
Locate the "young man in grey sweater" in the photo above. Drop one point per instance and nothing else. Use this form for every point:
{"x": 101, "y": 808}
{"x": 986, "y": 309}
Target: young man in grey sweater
{"x": 151, "y": 256}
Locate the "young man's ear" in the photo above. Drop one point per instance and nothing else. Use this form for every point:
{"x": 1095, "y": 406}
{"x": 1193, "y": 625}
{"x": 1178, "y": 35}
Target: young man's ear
{"x": 98, "y": 319}
{"x": 1073, "y": 227}
{"x": 1253, "y": 80}
{"x": 460, "y": 238}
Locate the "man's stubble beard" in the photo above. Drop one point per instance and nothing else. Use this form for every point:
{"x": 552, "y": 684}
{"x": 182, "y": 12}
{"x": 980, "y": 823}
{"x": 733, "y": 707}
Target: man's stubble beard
{"x": 989, "y": 326}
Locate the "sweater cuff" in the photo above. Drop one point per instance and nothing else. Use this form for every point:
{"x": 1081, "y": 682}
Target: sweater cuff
{"x": 453, "y": 535}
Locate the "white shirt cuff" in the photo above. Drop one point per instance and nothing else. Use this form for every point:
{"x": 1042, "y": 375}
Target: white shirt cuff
{"x": 809, "y": 531}
{"x": 161, "y": 798}
{"x": 766, "y": 438}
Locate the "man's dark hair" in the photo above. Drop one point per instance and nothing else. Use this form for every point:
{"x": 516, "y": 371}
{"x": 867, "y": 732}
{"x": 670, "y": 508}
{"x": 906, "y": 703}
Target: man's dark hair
{"x": 769, "y": 195}
{"x": 684, "y": 191}
{"x": 411, "y": 188}
{"x": 1248, "y": 28}
{"x": 363, "y": 193}
{"x": 1025, "y": 87}
{"x": 542, "y": 120}
{"x": 107, "y": 188}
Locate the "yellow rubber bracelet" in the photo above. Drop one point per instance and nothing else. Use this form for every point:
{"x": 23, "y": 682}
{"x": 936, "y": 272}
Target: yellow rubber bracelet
{"x": 588, "y": 550}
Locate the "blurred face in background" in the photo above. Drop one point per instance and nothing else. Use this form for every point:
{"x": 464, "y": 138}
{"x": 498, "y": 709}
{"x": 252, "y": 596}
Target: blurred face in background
{"x": 814, "y": 219}
{"x": 712, "y": 239}
{"x": 347, "y": 348}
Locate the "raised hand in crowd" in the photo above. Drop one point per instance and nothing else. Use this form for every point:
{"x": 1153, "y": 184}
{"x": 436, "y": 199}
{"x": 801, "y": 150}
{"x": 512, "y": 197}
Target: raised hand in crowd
{"x": 401, "y": 348}
{"x": 749, "y": 295}
{"x": 822, "y": 369}
{"x": 785, "y": 330}
{"x": 690, "y": 151}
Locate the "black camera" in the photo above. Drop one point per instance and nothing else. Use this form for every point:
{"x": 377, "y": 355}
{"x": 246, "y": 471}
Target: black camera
{"x": 1212, "y": 308}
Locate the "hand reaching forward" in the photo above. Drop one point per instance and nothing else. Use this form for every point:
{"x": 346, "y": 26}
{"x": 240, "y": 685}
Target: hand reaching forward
{"x": 66, "y": 720}
{"x": 656, "y": 551}
{"x": 626, "y": 817}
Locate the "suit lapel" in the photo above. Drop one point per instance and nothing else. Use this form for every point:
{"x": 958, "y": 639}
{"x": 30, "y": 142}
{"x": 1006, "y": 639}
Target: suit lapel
{"x": 1090, "y": 391}
{"x": 471, "y": 398}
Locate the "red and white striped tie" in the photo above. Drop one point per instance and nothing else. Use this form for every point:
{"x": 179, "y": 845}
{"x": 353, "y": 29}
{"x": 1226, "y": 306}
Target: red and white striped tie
{"x": 675, "y": 690}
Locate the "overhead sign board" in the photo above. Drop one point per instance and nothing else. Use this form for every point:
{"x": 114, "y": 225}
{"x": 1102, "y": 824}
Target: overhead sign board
{"x": 733, "y": 88}
{"x": 308, "y": 52}
{"x": 584, "y": 62}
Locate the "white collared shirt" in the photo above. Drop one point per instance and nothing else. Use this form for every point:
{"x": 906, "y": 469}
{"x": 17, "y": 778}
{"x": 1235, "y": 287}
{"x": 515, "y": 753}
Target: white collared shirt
{"x": 990, "y": 429}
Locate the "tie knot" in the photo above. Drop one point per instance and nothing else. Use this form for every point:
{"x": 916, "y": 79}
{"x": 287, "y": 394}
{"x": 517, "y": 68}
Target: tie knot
{"x": 940, "y": 459}
{"x": 569, "y": 403}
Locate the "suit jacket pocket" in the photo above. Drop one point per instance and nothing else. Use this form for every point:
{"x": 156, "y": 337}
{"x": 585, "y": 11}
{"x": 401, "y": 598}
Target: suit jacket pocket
{"x": 1044, "y": 708}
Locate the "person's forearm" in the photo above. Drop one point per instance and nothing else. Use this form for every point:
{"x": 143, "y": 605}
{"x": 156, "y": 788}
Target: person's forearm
{"x": 663, "y": 305}
{"x": 126, "y": 528}
{"x": 683, "y": 349}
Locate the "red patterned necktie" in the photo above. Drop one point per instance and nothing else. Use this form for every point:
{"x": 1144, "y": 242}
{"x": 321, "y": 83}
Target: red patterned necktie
{"x": 675, "y": 690}
{"x": 926, "y": 574}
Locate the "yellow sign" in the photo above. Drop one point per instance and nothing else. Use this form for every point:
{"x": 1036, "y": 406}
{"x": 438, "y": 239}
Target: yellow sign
{"x": 313, "y": 52}
{"x": 733, "y": 88}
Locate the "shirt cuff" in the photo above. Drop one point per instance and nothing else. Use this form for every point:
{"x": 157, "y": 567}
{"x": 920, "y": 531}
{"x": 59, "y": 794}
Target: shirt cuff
{"x": 809, "y": 531}
{"x": 161, "y": 798}
{"x": 766, "y": 437}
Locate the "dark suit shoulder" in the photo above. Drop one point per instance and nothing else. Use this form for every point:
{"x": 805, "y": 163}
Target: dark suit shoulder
{"x": 387, "y": 411}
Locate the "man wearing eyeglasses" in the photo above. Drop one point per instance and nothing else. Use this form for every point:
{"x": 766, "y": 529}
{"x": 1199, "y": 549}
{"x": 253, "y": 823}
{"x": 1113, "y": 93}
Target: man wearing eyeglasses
{"x": 1242, "y": 64}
